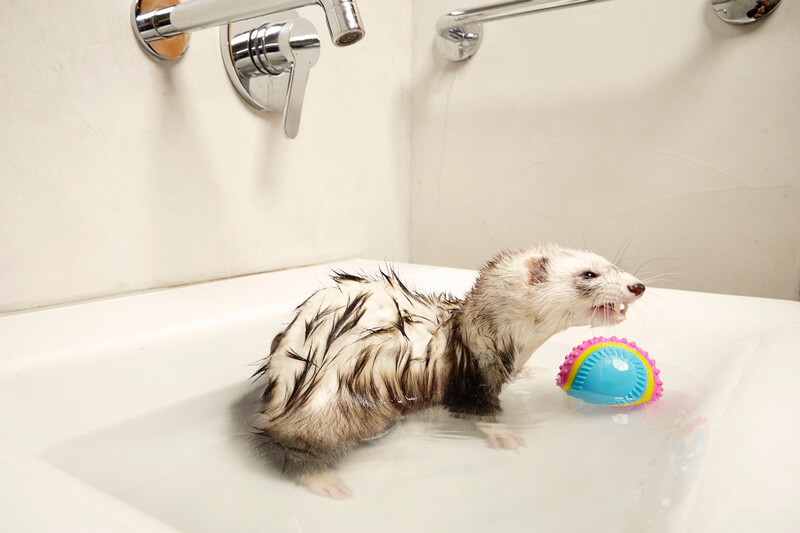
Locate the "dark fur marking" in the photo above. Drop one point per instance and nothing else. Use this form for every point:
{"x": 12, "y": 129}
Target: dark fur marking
{"x": 398, "y": 359}
{"x": 585, "y": 288}
{"x": 276, "y": 341}
{"x": 339, "y": 275}
{"x": 352, "y": 313}
{"x": 260, "y": 372}
{"x": 300, "y": 400}
{"x": 468, "y": 392}
{"x": 400, "y": 324}
{"x": 389, "y": 277}
{"x": 291, "y": 354}
{"x": 302, "y": 389}
{"x": 428, "y": 355}
{"x": 266, "y": 396}
{"x": 315, "y": 322}
{"x": 404, "y": 373}
{"x": 363, "y": 392}
{"x": 361, "y": 364}
{"x": 375, "y": 331}
{"x": 409, "y": 293}
{"x": 310, "y": 325}
{"x": 507, "y": 359}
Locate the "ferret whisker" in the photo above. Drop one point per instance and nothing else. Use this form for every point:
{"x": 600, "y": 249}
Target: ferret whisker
{"x": 644, "y": 264}
{"x": 676, "y": 275}
{"x": 645, "y": 309}
{"x": 661, "y": 278}
{"x": 565, "y": 318}
{"x": 624, "y": 248}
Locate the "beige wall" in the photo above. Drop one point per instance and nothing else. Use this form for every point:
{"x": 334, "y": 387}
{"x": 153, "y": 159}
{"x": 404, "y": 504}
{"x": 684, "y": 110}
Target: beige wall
{"x": 120, "y": 174}
{"x": 594, "y": 125}
{"x": 652, "y": 124}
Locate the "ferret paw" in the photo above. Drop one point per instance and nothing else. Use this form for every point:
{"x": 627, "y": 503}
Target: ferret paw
{"x": 502, "y": 438}
{"x": 327, "y": 485}
{"x": 506, "y": 441}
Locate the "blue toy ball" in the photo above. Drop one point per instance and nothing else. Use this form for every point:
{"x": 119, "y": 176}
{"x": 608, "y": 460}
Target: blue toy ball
{"x": 610, "y": 372}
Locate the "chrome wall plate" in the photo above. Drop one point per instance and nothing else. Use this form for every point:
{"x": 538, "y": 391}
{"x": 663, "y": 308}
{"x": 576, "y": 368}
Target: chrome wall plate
{"x": 168, "y": 49}
{"x": 266, "y": 93}
{"x": 268, "y": 60}
{"x": 743, "y": 11}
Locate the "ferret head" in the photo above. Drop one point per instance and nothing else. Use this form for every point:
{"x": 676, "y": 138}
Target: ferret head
{"x": 582, "y": 284}
{"x": 558, "y": 287}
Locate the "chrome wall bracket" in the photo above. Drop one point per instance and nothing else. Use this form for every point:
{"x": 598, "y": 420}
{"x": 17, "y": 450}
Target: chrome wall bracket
{"x": 459, "y": 33}
{"x": 144, "y": 16}
{"x": 268, "y": 62}
{"x": 743, "y": 11}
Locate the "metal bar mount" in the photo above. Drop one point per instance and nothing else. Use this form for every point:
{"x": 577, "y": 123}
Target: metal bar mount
{"x": 157, "y": 20}
{"x": 459, "y": 33}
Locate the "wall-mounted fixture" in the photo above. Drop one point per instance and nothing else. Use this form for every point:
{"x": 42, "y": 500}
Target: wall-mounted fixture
{"x": 743, "y": 11}
{"x": 459, "y": 33}
{"x": 267, "y": 49}
{"x": 257, "y": 55}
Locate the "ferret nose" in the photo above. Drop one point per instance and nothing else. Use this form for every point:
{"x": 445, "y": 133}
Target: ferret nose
{"x": 637, "y": 289}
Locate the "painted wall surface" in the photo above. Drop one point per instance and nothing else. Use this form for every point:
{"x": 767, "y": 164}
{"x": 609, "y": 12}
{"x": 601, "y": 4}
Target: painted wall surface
{"x": 120, "y": 173}
{"x": 621, "y": 126}
{"x": 611, "y": 125}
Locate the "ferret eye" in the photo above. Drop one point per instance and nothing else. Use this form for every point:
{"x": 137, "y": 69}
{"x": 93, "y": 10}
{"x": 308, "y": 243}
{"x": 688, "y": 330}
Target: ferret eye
{"x": 589, "y": 275}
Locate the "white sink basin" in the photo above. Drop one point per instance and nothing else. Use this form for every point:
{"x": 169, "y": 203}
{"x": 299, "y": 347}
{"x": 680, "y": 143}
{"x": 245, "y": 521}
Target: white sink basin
{"x": 120, "y": 415}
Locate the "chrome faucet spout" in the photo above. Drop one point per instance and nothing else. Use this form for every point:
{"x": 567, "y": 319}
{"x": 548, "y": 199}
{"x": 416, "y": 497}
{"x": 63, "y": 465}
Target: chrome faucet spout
{"x": 344, "y": 21}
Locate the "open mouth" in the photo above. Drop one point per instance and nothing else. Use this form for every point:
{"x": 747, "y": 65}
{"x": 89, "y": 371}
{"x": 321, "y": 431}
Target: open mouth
{"x": 617, "y": 308}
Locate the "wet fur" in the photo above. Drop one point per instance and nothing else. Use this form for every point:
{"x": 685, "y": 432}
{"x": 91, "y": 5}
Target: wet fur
{"x": 363, "y": 353}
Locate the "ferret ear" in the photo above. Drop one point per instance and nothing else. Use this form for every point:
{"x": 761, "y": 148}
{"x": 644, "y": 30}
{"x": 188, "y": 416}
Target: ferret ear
{"x": 535, "y": 270}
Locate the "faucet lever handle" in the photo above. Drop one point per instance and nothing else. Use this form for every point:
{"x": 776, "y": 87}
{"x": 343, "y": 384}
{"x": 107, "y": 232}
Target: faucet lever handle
{"x": 300, "y": 44}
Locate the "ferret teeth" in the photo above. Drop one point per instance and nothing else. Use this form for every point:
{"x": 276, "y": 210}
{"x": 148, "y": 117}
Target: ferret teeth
{"x": 617, "y": 307}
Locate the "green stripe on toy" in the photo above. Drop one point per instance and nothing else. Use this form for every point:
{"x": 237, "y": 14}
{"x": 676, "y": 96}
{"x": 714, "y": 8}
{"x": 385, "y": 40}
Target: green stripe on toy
{"x": 610, "y": 372}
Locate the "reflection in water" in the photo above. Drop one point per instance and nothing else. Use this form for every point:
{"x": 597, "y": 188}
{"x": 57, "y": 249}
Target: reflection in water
{"x": 611, "y": 418}
{"x": 687, "y": 457}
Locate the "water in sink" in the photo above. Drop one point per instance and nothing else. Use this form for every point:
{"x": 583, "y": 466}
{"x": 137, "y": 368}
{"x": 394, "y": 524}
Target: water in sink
{"x": 192, "y": 466}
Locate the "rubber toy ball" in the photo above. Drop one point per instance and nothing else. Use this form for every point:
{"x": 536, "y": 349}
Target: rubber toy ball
{"x": 610, "y": 371}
